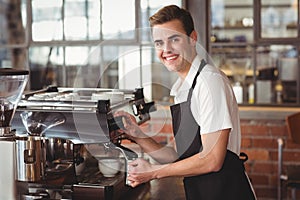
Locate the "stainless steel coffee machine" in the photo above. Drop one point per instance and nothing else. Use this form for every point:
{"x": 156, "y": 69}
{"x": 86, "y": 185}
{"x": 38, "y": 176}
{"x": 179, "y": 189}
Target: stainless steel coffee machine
{"x": 61, "y": 135}
{"x": 12, "y": 84}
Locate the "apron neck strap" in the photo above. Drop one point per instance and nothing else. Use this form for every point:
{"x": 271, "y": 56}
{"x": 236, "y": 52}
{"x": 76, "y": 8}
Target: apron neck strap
{"x": 202, "y": 64}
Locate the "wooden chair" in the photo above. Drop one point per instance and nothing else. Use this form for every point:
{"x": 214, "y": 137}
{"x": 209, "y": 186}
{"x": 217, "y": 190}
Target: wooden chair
{"x": 291, "y": 176}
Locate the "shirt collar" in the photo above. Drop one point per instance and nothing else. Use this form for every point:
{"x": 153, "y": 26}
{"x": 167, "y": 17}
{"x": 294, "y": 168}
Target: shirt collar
{"x": 180, "y": 86}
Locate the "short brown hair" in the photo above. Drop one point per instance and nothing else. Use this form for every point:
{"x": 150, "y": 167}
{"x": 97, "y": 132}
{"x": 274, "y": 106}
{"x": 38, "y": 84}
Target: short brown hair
{"x": 170, "y": 13}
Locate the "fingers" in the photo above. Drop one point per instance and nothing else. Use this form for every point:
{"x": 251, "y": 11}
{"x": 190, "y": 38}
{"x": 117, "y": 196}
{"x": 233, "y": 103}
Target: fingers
{"x": 139, "y": 166}
{"x": 139, "y": 162}
{"x": 122, "y": 114}
{"x": 127, "y": 119}
{"x": 138, "y": 172}
{"x": 133, "y": 180}
{"x": 133, "y": 183}
{"x": 131, "y": 167}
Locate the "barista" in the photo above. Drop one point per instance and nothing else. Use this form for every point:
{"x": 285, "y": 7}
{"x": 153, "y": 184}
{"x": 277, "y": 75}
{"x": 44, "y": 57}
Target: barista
{"x": 205, "y": 119}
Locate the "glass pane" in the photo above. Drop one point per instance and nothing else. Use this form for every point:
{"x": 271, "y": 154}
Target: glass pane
{"x": 82, "y": 19}
{"x": 232, "y": 21}
{"x": 75, "y": 28}
{"x": 47, "y": 30}
{"x": 104, "y": 66}
{"x": 118, "y": 66}
{"x": 82, "y": 67}
{"x": 129, "y": 69}
{"x": 13, "y": 58}
{"x": 148, "y": 8}
{"x": 76, "y": 55}
{"x": 223, "y": 57}
{"x": 118, "y": 19}
{"x": 93, "y": 19}
{"x": 277, "y": 69}
{"x": 46, "y": 20}
{"x": 237, "y": 63}
{"x": 75, "y": 22}
{"x": 154, "y": 5}
{"x": 12, "y": 22}
{"x": 279, "y": 18}
{"x": 45, "y": 66}
{"x": 5, "y": 58}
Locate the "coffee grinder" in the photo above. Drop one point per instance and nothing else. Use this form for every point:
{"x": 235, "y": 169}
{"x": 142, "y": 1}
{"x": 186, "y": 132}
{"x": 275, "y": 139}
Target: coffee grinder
{"x": 12, "y": 84}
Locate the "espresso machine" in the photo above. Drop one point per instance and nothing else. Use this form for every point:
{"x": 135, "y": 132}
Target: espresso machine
{"x": 12, "y": 84}
{"x": 61, "y": 135}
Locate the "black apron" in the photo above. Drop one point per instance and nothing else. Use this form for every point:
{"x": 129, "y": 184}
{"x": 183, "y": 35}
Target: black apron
{"x": 230, "y": 182}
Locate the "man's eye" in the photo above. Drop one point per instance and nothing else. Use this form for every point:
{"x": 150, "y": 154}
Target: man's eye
{"x": 175, "y": 40}
{"x": 158, "y": 44}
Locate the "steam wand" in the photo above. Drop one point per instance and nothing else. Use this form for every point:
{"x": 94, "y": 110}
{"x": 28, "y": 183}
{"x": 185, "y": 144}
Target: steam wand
{"x": 128, "y": 154}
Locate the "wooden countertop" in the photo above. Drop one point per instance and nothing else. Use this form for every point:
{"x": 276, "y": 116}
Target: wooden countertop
{"x": 265, "y": 112}
{"x": 166, "y": 188}
{"x": 248, "y": 112}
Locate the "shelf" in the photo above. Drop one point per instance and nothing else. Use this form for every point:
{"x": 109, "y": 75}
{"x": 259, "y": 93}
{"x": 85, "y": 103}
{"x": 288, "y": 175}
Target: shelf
{"x": 284, "y": 5}
{"x": 231, "y": 27}
{"x": 231, "y": 50}
{"x": 232, "y": 6}
{"x": 291, "y": 26}
{"x": 231, "y": 39}
{"x": 228, "y": 6}
{"x": 231, "y": 44}
{"x": 228, "y": 72}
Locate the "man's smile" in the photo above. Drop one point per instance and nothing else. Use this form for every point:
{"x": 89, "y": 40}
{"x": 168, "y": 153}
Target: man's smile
{"x": 170, "y": 58}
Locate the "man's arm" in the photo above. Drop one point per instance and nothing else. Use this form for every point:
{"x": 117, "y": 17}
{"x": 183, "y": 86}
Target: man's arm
{"x": 210, "y": 159}
{"x": 159, "y": 152}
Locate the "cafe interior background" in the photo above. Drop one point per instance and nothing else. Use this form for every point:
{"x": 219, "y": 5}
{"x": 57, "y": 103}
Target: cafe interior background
{"x": 71, "y": 43}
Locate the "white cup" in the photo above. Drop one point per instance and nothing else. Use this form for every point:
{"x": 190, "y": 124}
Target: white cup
{"x": 109, "y": 167}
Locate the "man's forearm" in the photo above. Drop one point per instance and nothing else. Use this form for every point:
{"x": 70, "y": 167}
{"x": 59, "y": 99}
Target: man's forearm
{"x": 159, "y": 152}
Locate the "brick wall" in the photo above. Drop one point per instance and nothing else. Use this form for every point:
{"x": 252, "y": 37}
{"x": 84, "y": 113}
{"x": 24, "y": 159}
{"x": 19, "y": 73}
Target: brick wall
{"x": 259, "y": 141}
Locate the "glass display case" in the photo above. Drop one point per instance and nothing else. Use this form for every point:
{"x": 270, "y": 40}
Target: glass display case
{"x": 278, "y": 19}
{"x": 256, "y": 43}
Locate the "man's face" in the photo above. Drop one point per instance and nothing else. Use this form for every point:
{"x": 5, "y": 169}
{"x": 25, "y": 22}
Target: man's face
{"x": 173, "y": 47}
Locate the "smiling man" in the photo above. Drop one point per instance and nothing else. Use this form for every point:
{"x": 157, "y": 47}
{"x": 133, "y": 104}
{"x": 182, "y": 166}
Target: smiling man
{"x": 205, "y": 119}
{"x": 175, "y": 49}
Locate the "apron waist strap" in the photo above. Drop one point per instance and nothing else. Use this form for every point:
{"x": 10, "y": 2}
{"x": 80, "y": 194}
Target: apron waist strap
{"x": 233, "y": 162}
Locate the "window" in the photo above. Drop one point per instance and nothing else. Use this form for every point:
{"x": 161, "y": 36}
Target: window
{"x": 262, "y": 59}
{"x": 82, "y": 43}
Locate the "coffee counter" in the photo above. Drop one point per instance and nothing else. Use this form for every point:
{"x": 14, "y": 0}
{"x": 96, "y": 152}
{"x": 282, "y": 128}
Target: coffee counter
{"x": 247, "y": 111}
{"x": 166, "y": 188}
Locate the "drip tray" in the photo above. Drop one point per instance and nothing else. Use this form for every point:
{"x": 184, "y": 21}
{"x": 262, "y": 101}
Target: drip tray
{"x": 93, "y": 185}
{"x": 92, "y": 175}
